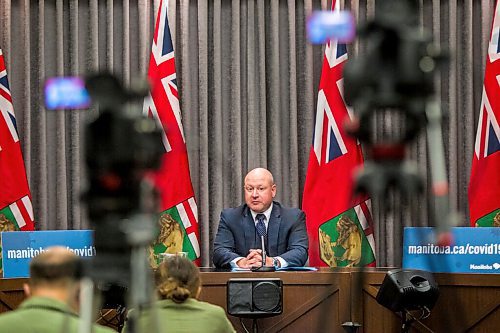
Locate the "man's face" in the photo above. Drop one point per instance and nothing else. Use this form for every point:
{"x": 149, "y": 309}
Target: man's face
{"x": 259, "y": 191}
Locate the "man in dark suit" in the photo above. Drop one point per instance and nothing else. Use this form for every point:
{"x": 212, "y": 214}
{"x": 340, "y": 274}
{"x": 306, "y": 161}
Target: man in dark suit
{"x": 237, "y": 243}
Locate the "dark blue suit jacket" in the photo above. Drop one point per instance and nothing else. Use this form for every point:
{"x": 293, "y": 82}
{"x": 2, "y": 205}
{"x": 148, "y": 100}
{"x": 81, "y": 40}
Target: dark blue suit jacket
{"x": 286, "y": 235}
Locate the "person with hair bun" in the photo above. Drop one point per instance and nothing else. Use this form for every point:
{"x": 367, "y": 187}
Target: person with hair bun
{"x": 178, "y": 309}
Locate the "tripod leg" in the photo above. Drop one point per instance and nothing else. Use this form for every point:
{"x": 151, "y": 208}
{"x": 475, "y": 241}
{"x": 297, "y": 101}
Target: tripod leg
{"x": 405, "y": 326}
{"x": 86, "y": 305}
{"x": 443, "y": 217}
{"x": 141, "y": 292}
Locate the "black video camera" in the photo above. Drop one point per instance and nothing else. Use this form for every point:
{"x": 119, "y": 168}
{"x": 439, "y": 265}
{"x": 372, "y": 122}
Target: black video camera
{"x": 394, "y": 76}
{"x": 397, "y": 70}
{"x": 121, "y": 146}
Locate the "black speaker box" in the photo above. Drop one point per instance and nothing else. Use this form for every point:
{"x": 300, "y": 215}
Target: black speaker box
{"x": 255, "y": 297}
{"x": 405, "y": 289}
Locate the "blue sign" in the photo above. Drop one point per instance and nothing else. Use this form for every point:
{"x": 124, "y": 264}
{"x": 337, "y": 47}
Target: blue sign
{"x": 19, "y": 247}
{"x": 474, "y": 250}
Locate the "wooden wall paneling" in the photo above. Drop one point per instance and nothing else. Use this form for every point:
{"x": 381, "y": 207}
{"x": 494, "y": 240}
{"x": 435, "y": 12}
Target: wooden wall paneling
{"x": 11, "y": 293}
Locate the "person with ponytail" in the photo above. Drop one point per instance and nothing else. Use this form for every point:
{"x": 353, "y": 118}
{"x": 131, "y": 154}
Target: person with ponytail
{"x": 178, "y": 308}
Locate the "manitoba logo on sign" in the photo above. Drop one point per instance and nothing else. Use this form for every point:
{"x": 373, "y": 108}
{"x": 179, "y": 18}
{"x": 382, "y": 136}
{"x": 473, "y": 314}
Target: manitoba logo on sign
{"x": 485, "y": 266}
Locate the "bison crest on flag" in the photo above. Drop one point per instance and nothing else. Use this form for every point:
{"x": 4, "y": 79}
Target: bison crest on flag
{"x": 346, "y": 240}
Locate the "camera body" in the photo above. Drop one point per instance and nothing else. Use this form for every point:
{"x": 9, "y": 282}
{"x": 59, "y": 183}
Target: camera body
{"x": 119, "y": 151}
{"x": 122, "y": 145}
{"x": 394, "y": 76}
{"x": 397, "y": 71}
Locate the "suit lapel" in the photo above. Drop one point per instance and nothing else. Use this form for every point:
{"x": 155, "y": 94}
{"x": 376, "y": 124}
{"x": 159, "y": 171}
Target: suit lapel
{"x": 273, "y": 230}
{"x": 249, "y": 229}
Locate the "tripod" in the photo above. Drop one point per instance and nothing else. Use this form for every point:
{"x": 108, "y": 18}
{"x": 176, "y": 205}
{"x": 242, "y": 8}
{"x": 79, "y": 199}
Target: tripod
{"x": 121, "y": 146}
{"x": 407, "y": 319}
{"x": 140, "y": 296}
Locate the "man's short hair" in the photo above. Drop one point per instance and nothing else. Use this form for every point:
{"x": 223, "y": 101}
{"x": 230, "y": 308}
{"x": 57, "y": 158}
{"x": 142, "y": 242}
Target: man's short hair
{"x": 55, "y": 266}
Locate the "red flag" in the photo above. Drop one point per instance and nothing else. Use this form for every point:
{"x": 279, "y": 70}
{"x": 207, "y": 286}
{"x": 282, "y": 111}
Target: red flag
{"x": 16, "y": 211}
{"x": 340, "y": 229}
{"x": 179, "y": 218}
{"x": 484, "y": 186}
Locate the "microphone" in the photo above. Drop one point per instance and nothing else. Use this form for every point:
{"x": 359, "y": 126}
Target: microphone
{"x": 263, "y": 250}
{"x": 261, "y": 231}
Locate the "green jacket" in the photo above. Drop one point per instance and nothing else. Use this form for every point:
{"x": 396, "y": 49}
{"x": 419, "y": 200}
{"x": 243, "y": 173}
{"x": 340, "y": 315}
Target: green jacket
{"x": 190, "y": 316}
{"x": 43, "y": 315}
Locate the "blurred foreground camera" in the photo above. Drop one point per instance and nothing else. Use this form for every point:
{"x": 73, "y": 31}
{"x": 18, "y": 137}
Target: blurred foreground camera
{"x": 122, "y": 146}
{"x": 397, "y": 71}
{"x": 396, "y": 77}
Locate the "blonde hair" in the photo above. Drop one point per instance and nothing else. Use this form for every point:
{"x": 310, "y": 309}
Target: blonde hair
{"x": 177, "y": 278}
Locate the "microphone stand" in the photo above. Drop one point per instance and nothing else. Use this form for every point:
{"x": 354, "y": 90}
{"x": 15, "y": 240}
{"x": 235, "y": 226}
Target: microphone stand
{"x": 263, "y": 268}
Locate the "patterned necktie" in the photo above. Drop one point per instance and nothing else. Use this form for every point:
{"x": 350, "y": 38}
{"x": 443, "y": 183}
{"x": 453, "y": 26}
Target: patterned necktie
{"x": 261, "y": 226}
